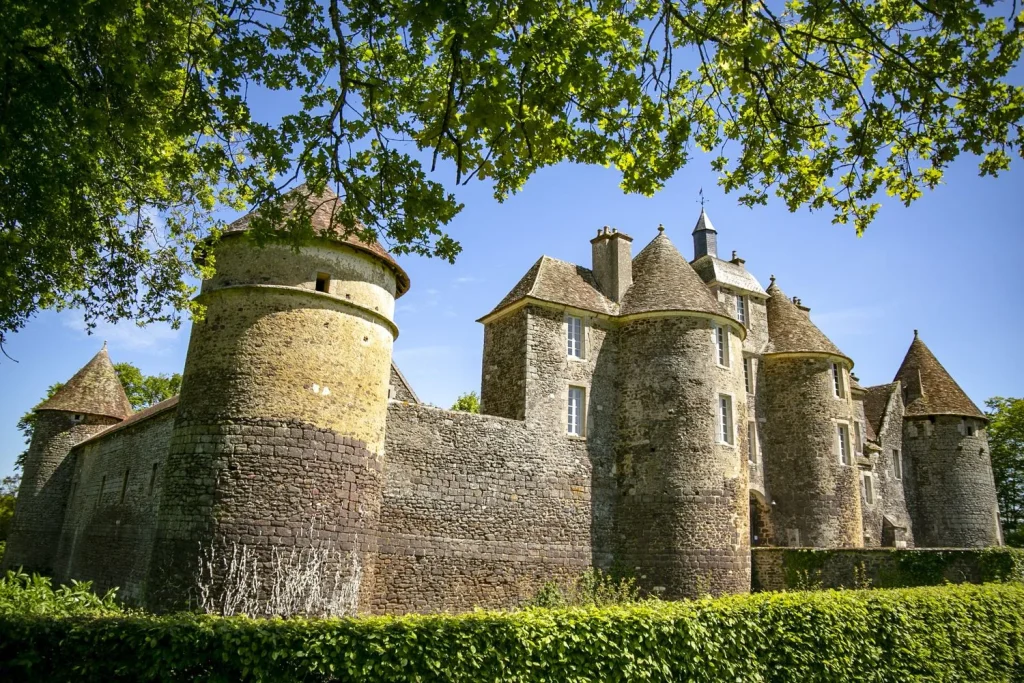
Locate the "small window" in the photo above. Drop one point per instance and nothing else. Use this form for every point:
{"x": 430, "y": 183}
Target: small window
{"x": 124, "y": 485}
{"x": 741, "y": 309}
{"x": 574, "y": 336}
{"x": 748, "y": 374}
{"x": 970, "y": 428}
{"x": 576, "y": 408}
{"x": 78, "y": 417}
{"x": 837, "y": 381}
{"x": 152, "y": 477}
{"x": 323, "y": 282}
{"x": 858, "y": 438}
{"x": 725, "y": 431}
{"x": 843, "y": 443}
{"x": 869, "y": 489}
{"x": 103, "y": 485}
{"x": 752, "y": 442}
{"x": 897, "y": 465}
{"x": 721, "y": 344}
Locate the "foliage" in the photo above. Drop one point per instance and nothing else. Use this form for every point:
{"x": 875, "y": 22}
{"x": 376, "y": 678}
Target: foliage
{"x": 963, "y": 633}
{"x": 33, "y": 596}
{"x": 8, "y": 496}
{"x": 142, "y": 391}
{"x": 469, "y": 402}
{"x": 593, "y": 588}
{"x": 1006, "y": 445}
{"x": 126, "y": 125}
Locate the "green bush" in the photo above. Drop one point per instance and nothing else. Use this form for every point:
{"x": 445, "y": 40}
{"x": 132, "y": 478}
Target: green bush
{"x": 593, "y": 588}
{"x": 24, "y": 595}
{"x": 963, "y": 633}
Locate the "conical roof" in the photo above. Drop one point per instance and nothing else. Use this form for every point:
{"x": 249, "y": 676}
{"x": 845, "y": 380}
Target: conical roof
{"x": 664, "y": 281}
{"x": 790, "y": 330}
{"x": 94, "y": 390}
{"x": 324, "y": 206}
{"x": 931, "y": 389}
{"x": 703, "y": 223}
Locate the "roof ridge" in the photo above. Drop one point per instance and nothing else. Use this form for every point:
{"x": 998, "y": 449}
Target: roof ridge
{"x": 790, "y": 330}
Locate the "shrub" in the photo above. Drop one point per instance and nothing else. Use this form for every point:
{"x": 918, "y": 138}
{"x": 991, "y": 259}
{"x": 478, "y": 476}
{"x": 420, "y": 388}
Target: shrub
{"x": 23, "y": 595}
{"x": 593, "y": 588}
{"x": 948, "y": 633}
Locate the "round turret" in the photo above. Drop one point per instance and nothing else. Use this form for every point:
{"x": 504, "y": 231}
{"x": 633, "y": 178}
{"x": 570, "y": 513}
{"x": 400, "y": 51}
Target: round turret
{"x": 952, "y": 492}
{"x": 279, "y": 438}
{"x": 87, "y": 404}
{"x": 682, "y": 511}
{"x": 809, "y": 437}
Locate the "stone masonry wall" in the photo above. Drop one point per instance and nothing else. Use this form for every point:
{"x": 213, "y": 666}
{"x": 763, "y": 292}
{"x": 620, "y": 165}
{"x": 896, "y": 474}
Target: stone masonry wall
{"x": 477, "y": 511}
{"x": 891, "y": 489}
{"x": 954, "y": 497}
{"x": 503, "y": 384}
{"x": 108, "y": 532}
{"x": 46, "y": 484}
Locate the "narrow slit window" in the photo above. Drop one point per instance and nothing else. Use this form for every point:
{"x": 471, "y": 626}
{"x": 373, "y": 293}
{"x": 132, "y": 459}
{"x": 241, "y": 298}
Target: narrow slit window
{"x": 103, "y": 485}
{"x": 843, "y": 443}
{"x": 869, "y": 489}
{"x": 837, "y": 381}
{"x": 124, "y": 485}
{"x": 574, "y": 423}
{"x": 897, "y": 465}
{"x": 748, "y": 374}
{"x": 323, "y": 282}
{"x": 858, "y": 438}
{"x": 725, "y": 431}
{"x": 752, "y": 442}
{"x": 741, "y": 309}
{"x": 722, "y": 345}
{"x": 574, "y": 336}
{"x": 152, "y": 477}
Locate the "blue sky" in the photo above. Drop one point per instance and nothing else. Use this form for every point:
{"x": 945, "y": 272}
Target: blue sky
{"x": 949, "y": 266}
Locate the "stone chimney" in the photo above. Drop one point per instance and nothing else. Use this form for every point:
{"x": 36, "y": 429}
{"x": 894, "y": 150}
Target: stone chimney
{"x": 612, "y": 262}
{"x": 800, "y": 304}
{"x": 705, "y": 237}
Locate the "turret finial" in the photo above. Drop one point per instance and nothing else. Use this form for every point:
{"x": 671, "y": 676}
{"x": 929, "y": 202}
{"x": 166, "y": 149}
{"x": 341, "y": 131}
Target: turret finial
{"x": 104, "y": 345}
{"x": 661, "y": 228}
{"x": 915, "y": 334}
{"x": 772, "y": 278}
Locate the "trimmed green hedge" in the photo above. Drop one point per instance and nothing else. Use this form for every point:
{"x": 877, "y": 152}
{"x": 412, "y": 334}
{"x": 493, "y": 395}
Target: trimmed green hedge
{"x": 952, "y": 633}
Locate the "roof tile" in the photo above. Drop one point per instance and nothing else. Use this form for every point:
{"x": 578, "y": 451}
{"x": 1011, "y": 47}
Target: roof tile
{"x": 935, "y": 392}
{"x": 790, "y": 330}
{"x": 94, "y": 390}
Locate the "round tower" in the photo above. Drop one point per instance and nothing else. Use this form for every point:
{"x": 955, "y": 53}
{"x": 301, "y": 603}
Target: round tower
{"x": 810, "y": 438}
{"x": 682, "y": 512}
{"x": 279, "y": 439}
{"x": 87, "y": 404}
{"x": 952, "y": 492}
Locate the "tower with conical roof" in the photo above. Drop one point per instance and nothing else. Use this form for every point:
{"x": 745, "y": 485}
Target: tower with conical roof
{"x": 680, "y": 458}
{"x": 279, "y": 437}
{"x": 810, "y": 463}
{"x": 952, "y": 493}
{"x": 86, "y": 404}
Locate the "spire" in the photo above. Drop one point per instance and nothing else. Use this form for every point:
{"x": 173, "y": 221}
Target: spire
{"x": 791, "y": 331}
{"x": 94, "y": 390}
{"x": 705, "y": 237}
{"x": 930, "y": 389}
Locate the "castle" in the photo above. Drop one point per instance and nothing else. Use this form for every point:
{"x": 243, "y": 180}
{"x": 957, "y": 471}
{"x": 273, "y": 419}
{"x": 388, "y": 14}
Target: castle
{"x": 648, "y": 414}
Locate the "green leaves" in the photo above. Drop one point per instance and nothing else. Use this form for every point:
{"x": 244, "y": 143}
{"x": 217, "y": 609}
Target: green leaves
{"x": 1006, "y": 443}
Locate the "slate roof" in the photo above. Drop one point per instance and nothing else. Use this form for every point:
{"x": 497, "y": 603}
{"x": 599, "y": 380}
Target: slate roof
{"x": 324, "y": 207}
{"x": 703, "y": 223}
{"x": 876, "y": 399}
{"x": 559, "y": 282}
{"x": 713, "y": 269}
{"x": 141, "y": 416}
{"x": 664, "y": 281}
{"x": 94, "y": 390}
{"x": 790, "y": 330}
{"x": 935, "y": 392}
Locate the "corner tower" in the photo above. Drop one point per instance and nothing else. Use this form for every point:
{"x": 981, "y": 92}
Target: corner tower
{"x": 87, "y": 404}
{"x": 952, "y": 492}
{"x": 682, "y": 507}
{"x": 809, "y": 441}
{"x": 279, "y": 438}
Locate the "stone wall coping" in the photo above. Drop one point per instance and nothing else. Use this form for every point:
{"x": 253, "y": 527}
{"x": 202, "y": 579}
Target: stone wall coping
{"x": 808, "y": 354}
{"x": 461, "y": 414}
{"x": 140, "y": 418}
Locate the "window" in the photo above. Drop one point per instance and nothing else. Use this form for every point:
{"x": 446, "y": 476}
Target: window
{"x": 323, "y": 282}
{"x": 741, "y": 309}
{"x": 970, "y": 428}
{"x": 869, "y": 489}
{"x": 124, "y": 485}
{"x": 837, "y": 381}
{"x": 78, "y": 417}
{"x": 721, "y": 344}
{"x": 748, "y": 374}
{"x": 857, "y": 438}
{"x": 574, "y": 336}
{"x": 103, "y": 485}
{"x": 725, "y": 433}
{"x": 576, "y": 407}
{"x": 752, "y": 442}
{"x": 843, "y": 443}
{"x": 897, "y": 465}
{"x": 152, "y": 478}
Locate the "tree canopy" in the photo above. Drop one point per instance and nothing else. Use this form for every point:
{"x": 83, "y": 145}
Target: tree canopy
{"x": 468, "y": 402}
{"x": 126, "y": 127}
{"x": 1006, "y": 445}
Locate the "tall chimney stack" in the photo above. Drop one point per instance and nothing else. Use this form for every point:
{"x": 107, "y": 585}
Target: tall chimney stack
{"x": 612, "y": 262}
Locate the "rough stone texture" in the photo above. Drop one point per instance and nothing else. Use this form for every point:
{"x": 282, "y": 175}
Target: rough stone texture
{"x": 954, "y": 503}
{"x": 111, "y": 521}
{"x": 45, "y": 485}
{"x": 790, "y": 329}
{"x": 664, "y": 281}
{"x": 886, "y": 415}
{"x": 94, "y": 389}
{"x": 817, "y": 499}
{"x": 503, "y": 381}
{"x": 399, "y": 388}
{"x": 559, "y": 282}
{"x": 613, "y": 263}
{"x": 929, "y": 388}
{"x": 682, "y": 513}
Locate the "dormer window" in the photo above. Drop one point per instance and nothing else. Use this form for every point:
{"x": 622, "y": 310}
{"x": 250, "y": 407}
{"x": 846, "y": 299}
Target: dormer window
{"x": 741, "y": 308}
{"x": 574, "y": 336}
{"x": 323, "y": 283}
{"x": 838, "y": 387}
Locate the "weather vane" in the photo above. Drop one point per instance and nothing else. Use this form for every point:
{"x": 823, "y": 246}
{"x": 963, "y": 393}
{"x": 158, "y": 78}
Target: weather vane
{"x": 702, "y": 199}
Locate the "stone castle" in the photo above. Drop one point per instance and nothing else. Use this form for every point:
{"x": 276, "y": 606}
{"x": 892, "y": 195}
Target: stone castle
{"x": 648, "y": 414}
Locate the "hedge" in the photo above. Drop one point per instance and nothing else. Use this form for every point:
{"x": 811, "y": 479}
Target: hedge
{"x": 951, "y": 633}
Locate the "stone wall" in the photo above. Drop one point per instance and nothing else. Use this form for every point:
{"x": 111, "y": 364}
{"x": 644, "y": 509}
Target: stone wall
{"x": 107, "y": 535}
{"x": 503, "y": 381}
{"x": 954, "y": 496}
{"x": 478, "y": 511}
{"x": 891, "y": 489}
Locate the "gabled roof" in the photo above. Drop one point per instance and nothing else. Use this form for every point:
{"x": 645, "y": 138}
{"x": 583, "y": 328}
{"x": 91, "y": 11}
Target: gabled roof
{"x": 790, "y": 330}
{"x": 323, "y": 208}
{"x": 94, "y": 390}
{"x": 876, "y": 401}
{"x": 664, "y": 281}
{"x": 714, "y": 269}
{"x": 559, "y": 282}
{"x": 930, "y": 389}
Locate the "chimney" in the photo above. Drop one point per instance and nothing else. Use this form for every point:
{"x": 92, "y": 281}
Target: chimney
{"x": 800, "y": 304}
{"x": 705, "y": 237}
{"x": 612, "y": 262}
